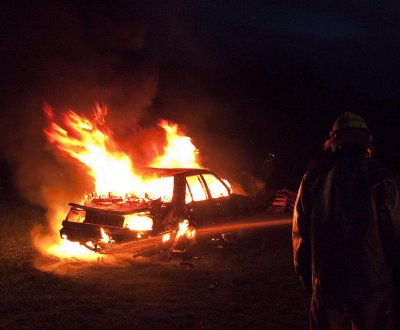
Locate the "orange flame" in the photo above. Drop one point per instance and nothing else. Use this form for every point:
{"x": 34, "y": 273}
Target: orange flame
{"x": 166, "y": 237}
{"x": 138, "y": 221}
{"x": 113, "y": 173}
{"x": 185, "y": 231}
{"x": 84, "y": 140}
{"x": 104, "y": 237}
{"x": 179, "y": 151}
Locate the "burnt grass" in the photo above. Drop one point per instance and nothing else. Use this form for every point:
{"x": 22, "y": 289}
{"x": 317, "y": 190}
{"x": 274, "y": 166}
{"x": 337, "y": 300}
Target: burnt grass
{"x": 244, "y": 282}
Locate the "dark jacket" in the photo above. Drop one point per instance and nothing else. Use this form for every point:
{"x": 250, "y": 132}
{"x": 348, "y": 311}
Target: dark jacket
{"x": 346, "y": 228}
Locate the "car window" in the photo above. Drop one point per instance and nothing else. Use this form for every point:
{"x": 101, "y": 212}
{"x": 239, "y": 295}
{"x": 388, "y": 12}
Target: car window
{"x": 215, "y": 186}
{"x": 160, "y": 188}
{"x": 188, "y": 195}
{"x": 76, "y": 215}
{"x": 195, "y": 189}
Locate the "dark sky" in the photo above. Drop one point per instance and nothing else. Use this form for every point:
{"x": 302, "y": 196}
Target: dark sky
{"x": 244, "y": 77}
{"x": 347, "y": 42}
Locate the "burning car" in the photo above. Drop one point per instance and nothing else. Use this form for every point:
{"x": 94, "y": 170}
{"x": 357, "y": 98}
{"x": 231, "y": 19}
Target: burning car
{"x": 154, "y": 187}
{"x": 198, "y": 197}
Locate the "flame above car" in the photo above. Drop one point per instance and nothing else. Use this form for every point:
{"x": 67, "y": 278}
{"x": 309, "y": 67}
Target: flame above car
{"x": 91, "y": 143}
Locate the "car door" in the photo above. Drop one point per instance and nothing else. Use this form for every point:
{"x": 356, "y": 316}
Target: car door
{"x": 199, "y": 206}
{"x": 220, "y": 196}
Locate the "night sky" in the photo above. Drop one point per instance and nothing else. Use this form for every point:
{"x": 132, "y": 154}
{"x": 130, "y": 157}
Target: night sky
{"x": 244, "y": 78}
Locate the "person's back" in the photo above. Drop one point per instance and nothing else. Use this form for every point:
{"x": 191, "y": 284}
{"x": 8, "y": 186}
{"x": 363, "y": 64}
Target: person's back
{"x": 343, "y": 233}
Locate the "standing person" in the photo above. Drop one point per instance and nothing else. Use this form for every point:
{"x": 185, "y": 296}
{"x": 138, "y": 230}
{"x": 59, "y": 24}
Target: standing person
{"x": 346, "y": 229}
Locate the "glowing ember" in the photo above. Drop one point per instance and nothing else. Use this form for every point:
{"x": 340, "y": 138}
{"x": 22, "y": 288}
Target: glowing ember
{"x": 104, "y": 237}
{"x": 166, "y": 237}
{"x": 185, "y": 231}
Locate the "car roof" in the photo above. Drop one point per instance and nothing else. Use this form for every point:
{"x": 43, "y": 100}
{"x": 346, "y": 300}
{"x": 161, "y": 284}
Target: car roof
{"x": 150, "y": 171}
{"x": 163, "y": 172}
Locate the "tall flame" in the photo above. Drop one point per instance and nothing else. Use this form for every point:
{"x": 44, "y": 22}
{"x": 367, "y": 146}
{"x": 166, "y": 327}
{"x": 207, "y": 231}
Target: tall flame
{"x": 84, "y": 140}
{"x": 179, "y": 151}
{"x": 92, "y": 144}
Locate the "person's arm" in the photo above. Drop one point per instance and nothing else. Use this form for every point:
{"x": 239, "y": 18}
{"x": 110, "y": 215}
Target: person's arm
{"x": 301, "y": 240}
{"x": 387, "y": 200}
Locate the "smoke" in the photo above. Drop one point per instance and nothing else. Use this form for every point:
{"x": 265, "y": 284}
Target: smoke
{"x": 70, "y": 55}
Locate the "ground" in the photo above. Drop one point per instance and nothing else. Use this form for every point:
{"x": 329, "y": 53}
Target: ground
{"x": 244, "y": 283}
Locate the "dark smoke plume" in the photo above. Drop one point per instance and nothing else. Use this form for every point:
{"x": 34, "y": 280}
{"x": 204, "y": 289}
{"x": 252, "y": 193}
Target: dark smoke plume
{"x": 69, "y": 56}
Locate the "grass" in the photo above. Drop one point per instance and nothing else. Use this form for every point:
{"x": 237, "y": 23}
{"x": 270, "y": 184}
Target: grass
{"x": 244, "y": 284}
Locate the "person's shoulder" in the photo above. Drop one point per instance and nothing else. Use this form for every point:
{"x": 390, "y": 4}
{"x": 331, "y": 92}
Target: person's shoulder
{"x": 377, "y": 172}
{"x": 324, "y": 165}
{"x": 317, "y": 170}
{"x": 376, "y": 166}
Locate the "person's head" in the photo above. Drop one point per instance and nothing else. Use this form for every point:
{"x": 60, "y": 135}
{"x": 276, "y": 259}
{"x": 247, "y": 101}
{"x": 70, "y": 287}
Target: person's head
{"x": 350, "y": 128}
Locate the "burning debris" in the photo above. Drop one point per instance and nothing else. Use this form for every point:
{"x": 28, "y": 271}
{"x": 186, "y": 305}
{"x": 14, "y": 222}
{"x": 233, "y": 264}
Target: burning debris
{"x": 162, "y": 203}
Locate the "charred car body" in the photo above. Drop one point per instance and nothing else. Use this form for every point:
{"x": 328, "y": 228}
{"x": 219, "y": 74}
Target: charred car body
{"x": 197, "y": 195}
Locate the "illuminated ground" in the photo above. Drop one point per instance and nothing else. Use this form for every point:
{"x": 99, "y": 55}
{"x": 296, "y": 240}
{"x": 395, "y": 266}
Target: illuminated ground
{"x": 245, "y": 283}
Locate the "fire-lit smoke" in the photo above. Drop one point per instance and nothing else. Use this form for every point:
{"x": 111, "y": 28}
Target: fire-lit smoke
{"x": 85, "y": 140}
{"x": 75, "y": 54}
{"x": 89, "y": 142}
{"x": 72, "y": 55}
